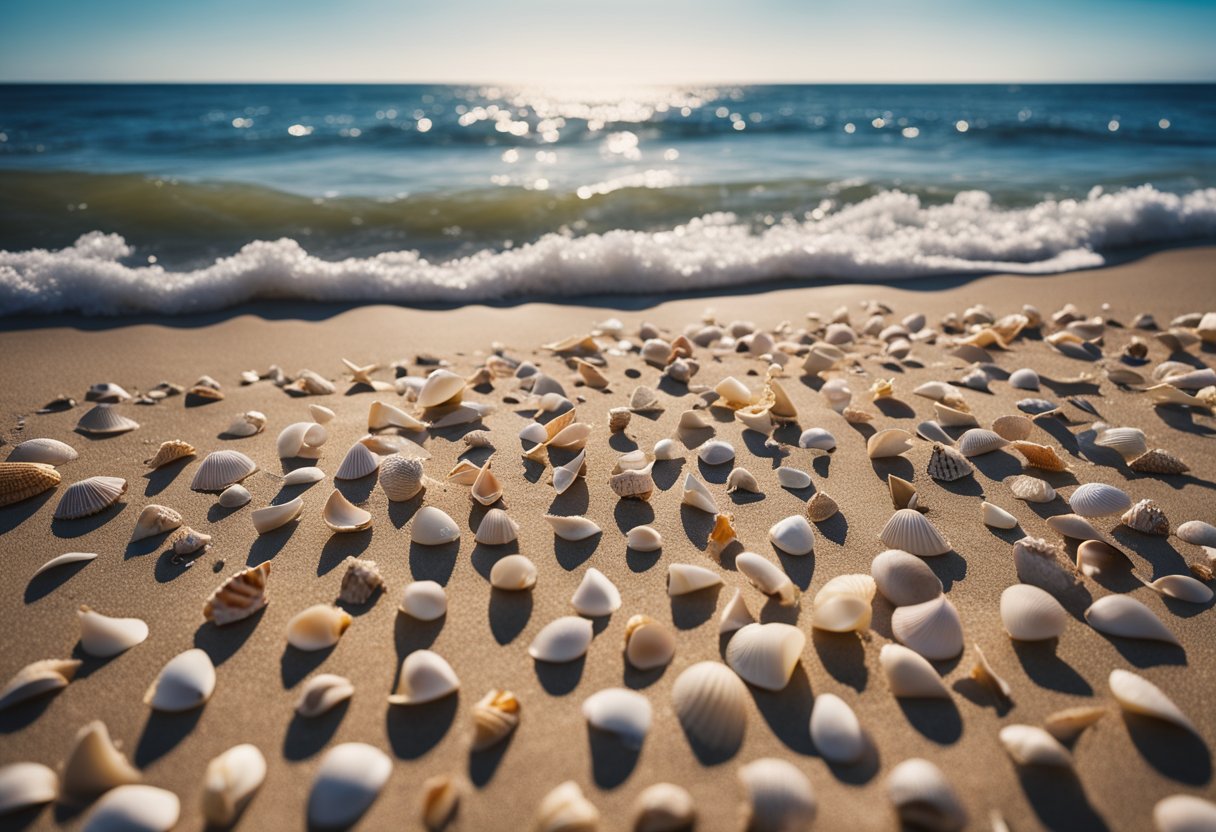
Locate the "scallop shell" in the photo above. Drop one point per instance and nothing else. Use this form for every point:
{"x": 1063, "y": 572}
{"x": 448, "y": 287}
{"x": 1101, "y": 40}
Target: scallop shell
{"x": 322, "y": 693}
{"x": 1031, "y": 489}
{"x": 978, "y": 441}
{"x": 1158, "y": 461}
{"x": 184, "y": 683}
{"x": 765, "y": 654}
{"x": 400, "y": 477}
{"x": 64, "y": 560}
{"x": 341, "y": 515}
{"x": 1030, "y": 745}
{"x": 817, "y": 438}
{"x": 842, "y": 605}
{"x": 1074, "y": 526}
{"x": 43, "y": 451}
{"x": 301, "y": 439}
{"x": 240, "y": 596}
{"x": 1024, "y": 379}
{"x": 1012, "y": 428}
{"x": 89, "y": 496}
{"x": 904, "y": 579}
{"x": 562, "y": 640}
{"x": 1120, "y": 615}
{"x": 433, "y": 527}
{"x": 154, "y": 520}
{"x": 947, "y": 465}
{"x": 1138, "y": 695}
{"x": 269, "y": 518}
{"x": 103, "y": 637}
{"x": 442, "y": 387}
{"x": 22, "y": 480}
{"x": 931, "y": 628}
{"x": 779, "y": 796}
{"x": 104, "y": 420}
{"x": 1039, "y": 456}
{"x": 910, "y": 531}
{"x": 572, "y": 528}
{"x": 997, "y": 517}
{"x": 317, "y": 627}
{"x": 170, "y": 451}
{"x": 1065, "y": 725}
{"x": 494, "y": 717}
{"x": 663, "y": 807}
{"x": 923, "y": 798}
{"x": 234, "y": 496}
{"x": 38, "y": 678}
{"x": 381, "y": 415}
{"x": 1129, "y": 443}
{"x": 836, "y": 731}
{"x": 512, "y": 573}
{"x": 496, "y": 528}
{"x": 1044, "y": 564}
{"x": 1096, "y": 499}
{"x": 425, "y": 677}
{"x": 767, "y": 577}
{"x": 909, "y": 674}
{"x": 359, "y": 462}
{"x": 221, "y": 469}
{"x": 424, "y": 600}
{"x": 596, "y": 596}
{"x": 566, "y": 810}
{"x": 1147, "y": 517}
{"x": 619, "y": 711}
{"x": 250, "y": 423}
{"x": 888, "y": 443}
{"x": 1031, "y": 614}
{"x": 303, "y": 476}
{"x": 711, "y": 704}
{"x": 134, "y": 808}
{"x": 230, "y": 782}
{"x": 648, "y": 644}
{"x": 735, "y": 615}
{"x": 685, "y": 578}
{"x": 24, "y": 785}
{"x": 346, "y": 784}
{"x": 793, "y": 535}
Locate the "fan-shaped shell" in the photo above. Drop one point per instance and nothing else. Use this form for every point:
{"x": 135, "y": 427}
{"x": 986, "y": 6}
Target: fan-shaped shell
{"x": 240, "y": 596}
{"x": 1121, "y": 615}
{"x": 779, "y": 795}
{"x": 425, "y": 677}
{"x": 23, "y": 785}
{"x": 359, "y": 462}
{"x": 90, "y": 496}
{"x": 931, "y": 628}
{"x": 1031, "y": 614}
{"x": 904, "y": 579}
{"x": 711, "y": 704}
{"x": 596, "y": 596}
{"x": 767, "y": 577}
{"x": 698, "y": 496}
{"x": 648, "y": 644}
{"x": 269, "y": 518}
{"x": 22, "y": 480}
{"x": 221, "y": 469}
{"x": 496, "y": 528}
{"x": 910, "y": 531}
{"x": 562, "y": 640}
{"x": 341, "y": 515}
{"x": 644, "y": 539}
{"x": 154, "y": 520}
{"x": 765, "y": 654}
{"x": 1138, "y": 695}
{"x": 301, "y": 439}
{"x": 978, "y": 441}
{"x": 1030, "y": 745}
{"x": 909, "y": 674}
{"x": 1097, "y": 499}
{"x": 923, "y": 797}
{"x": 947, "y": 464}
{"x": 184, "y": 683}
{"x": 835, "y": 730}
{"x": 1184, "y": 813}
{"x": 494, "y": 717}
{"x": 888, "y": 443}
{"x": 566, "y": 810}
{"x": 514, "y": 572}
{"x": 424, "y": 600}
{"x": 38, "y": 678}
{"x": 842, "y": 605}
{"x": 322, "y": 693}
{"x": 44, "y": 451}
{"x": 317, "y": 627}
{"x": 230, "y": 782}
{"x": 104, "y": 637}
{"x": 347, "y": 782}
{"x": 1129, "y": 443}
{"x": 104, "y": 420}
{"x": 134, "y": 808}
{"x": 433, "y": 527}
{"x": 572, "y": 528}
{"x": 793, "y": 535}
{"x": 619, "y": 711}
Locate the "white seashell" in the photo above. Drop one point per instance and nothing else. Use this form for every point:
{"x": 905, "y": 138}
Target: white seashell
{"x": 433, "y": 527}
{"x": 843, "y": 604}
{"x": 938, "y": 391}
{"x": 221, "y": 469}
{"x": 235, "y": 496}
{"x": 1030, "y": 745}
{"x": 359, "y": 462}
{"x": 698, "y": 496}
{"x": 23, "y": 785}
{"x": 888, "y": 443}
{"x": 666, "y": 449}
{"x": 716, "y": 452}
{"x": 735, "y": 615}
{"x": 188, "y": 542}
{"x": 1129, "y": 443}
{"x": 1197, "y": 532}
{"x": 230, "y": 782}
{"x": 1024, "y": 379}
{"x": 494, "y": 717}
{"x": 565, "y": 476}
{"x": 572, "y": 528}
{"x": 779, "y": 795}
{"x": 496, "y": 528}
{"x": 381, "y": 415}
{"x": 693, "y": 420}
{"x": 425, "y": 677}
{"x": 346, "y": 784}
{"x": 931, "y": 628}
{"x": 952, "y": 417}
{"x": 997, "y": 517}
{"x": 755, "y": 417}
{"x": 664, "y": 807}
{"x": 104, "y": 420}
{"x": 566, "y": 810}
{"x": 685, "y": 578}
{"x": 619, "y": 711}
{"x": 910, "y": 531}
{"x": 103, "y": 637}
{"x": 933, "y": 432}
{"x": 767, "y": 577}
{"x": 512, "y": 573}
{"x": 320, "y": 414}
{"x": 246, "y": 424}
{"x": 765, "y": 654}
{"x": 317, "y": 627}
{"x": 1074, "y": 526}
{"x": 644, "y": 539}
{"x": 301, "y": 439}
{"x": 303, "y": 476}
{"x": 486, "y": 488}
{"x": 535, "y": 433}
{"x": 822, "y": 357}
{"x": 184, "y": 683}
{"x": 835, "y": 730}
{"x": 341, "y": 515}
{"x": 632, "y": 485}
{"x": 441, "y": 387}
{"x": 644, "y": 399}
{"x": 45, "y": 451}
{"x": 1096, "y": 499}
{"x": 400, "y": 477}
{"x": 1120, "y": 615}
{"x": 648, "y": 644}
{"x": 904, "y": 579}
{"x": 793, "y": 478}
{"x": 633, "y": 461}
{"x": 322, "y": 693}
{"x": 793, "y": 535}
{"x": 947, "y": 464}
{"x": 154, "y": 520}
{"x": 1032, "y": 614}
{"x": 90, "y": 496}
{"x": 64, "y": 560}
{"x": 572, "y": 437}
{"x": 1184, "y": 813}
{"x": 1138, "y": 695}
{"x": 923, "y": 798}
{"x": 817, "y": 438}
{"x": 979, "y": 441}
{"x": 272, "y": 517}
{"x": 909, "y": 674}
{"x": 711, "y": 704}
{"x": 424, "y": 600}
{"x": 596, "y": 596}
{"x": 134, "y": 808}
{"x": 38, "y": 678}
{"x": 1182, "y": 587}
{"x": 106, "y": 391}
{"x": 562, "y": 640}
{"x": 95, "y": 765}
{"x": 837, "y": 394}
{"x": 1031, "y": 489}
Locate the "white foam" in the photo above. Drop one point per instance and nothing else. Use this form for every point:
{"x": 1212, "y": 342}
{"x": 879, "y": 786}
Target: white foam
{"x": 888, "y": 236}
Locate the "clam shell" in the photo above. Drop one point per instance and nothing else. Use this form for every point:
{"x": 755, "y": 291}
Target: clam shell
{"x": 95, "y": 765}
{"x": 1074, "y": 526}
{"x": 923, "y": 798}
{"x": 1129, "y": 443}
{"x": 359, "y": 462}
{"x": 400, "y": 477}
{"x": 566, "y": 810}
{"x": 234, "y": 496}
{"x": 910, "y": 531}
{"x": 1031, "y": 614}
{"x": 303, "y": 476}
{"x": 711, "y": 704}
{"x": 1147, "y": 517}
{"x": 997, "y": 517}
{"x": 170, "y": 451}
{"x": 619, "y": 711}
{"x": 644, "y": 539}
{"x": 381, "y": 415}
{"x": 1184, "y": 813}
{"x": 425, "y": 677}
{"x": 573, "y": 437}
{"x": 22, "y": 480}
{"x": 534, "y": 433}
{"x": 978, "y": 441}
{"x": 322, "y": 693}
{"x": 562, "y": 640}
{"x": 317, "y": 627}
{"x": 596, "y": 596}
{"x": 433, "y": 527}
{"x": 221, "y": 469}
{"x": 486, "y": 488}
{"x": 931, "y": 628}
{"x": 1138, "y": 695}
{"x": 909, "y": 674}
{"x": 424, "y": 600}
{"x": 301, "y": 439}
{"x": 269, "y": 518}
{"x": 1024, "y": 379}
{"x": 134, "y": 808}
{"x": 494, "y": 717}
{"x": 837, "y": 394}
{"x": 663, "y": 807}
{"x": 43, "y": 451}
{"x": 89, "y": 496}
{"x": 154, "y": 520}
{"x": 23, "y": 785}
{"x": 835, "y": 730}
{"x": 103, "y": 637}
{"x": 888, "y": 443}
{"x": 793, "y": 478}
{"x": 230, "y": 782}
{"x": 793, "y": 535}
{"x": 767, "y": 577}
{"x": 1097, "y": 499}
{"x": 512, "y": 573}
{"x": 817, "y": 438}
{"x": 64, "y": 560}
{"x": 343, "y": 516}
{"x": 1031, "y": 489}
{"x": 1120, "y": 615}
{"x": 1158, "y": 461}
{"x": 740, "y": 479}
{"x": 104, "y": 420}
{"x": 1039, "y": 456}
{"x": 346, "y": 784}
{"x": 496, "y": 528}
{"x": 240, "y": 596}
{"x": 842, "y": 605}
{"x": 648, "y": 644}
{"x": 1012, "y": 428}
{"x": 947, "y": 465}
{"x": 572, "y": 528}
{"x": 644, "y": 400}
{"x": 1197, "y": 532}
{"x": 698, "y": 496}
{"x": 904, "y": 579}
{"x": 765, "y": 654}
{"x": 779, "y": 795}
{"x": 184, "y": 683}
{"x": 1030, "y": 745}
{"x": 441, "y": 387}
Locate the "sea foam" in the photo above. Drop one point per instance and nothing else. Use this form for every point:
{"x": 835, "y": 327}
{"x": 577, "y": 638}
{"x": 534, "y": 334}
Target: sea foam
{"x": 886, "y": 237}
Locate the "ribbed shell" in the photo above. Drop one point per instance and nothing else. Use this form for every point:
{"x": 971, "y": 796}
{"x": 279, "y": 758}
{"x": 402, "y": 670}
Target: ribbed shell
{"x": 359, "y": 462}
{"x": 45, "y": 451}
{"x": 910, "y": 531}
{"x": 239, "y": 597}
{"x": 170, "y": 451}
{"x": 88, "y": 497}
{"x": 221, "y": 469}
{"x": 1129, "y": 443}
{"x": 1147, "y": 517}
{"x": 496, "y": 528}
{"x": 1032, "y": 489}
{"x": 1040, "y": 456}
{"x": 780, "y": 797}
{"x": 22, "y": 480}
{"x": 947, "y": 464}
{"x": 765, "y": 654}
{"x": 1097, "y": 499}
{"x": 979, "y": 441}
{"x": 494, "y": 717}
{"x": 711, "y": 703}
{"x": 103, "y": 420}
{"x": 400, "y": 477}
{"x": 932, "y": 628}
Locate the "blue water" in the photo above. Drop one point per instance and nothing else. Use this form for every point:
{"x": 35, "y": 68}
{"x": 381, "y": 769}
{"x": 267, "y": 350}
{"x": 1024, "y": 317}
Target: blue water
{"x": 186, "y": 176}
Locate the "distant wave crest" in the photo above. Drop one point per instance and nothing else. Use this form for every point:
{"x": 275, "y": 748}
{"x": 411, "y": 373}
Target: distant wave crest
{"x": 888, "y": 236}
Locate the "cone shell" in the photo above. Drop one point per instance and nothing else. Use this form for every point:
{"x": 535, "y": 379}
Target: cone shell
{"x": 43, "y": 451}
{"x": 619, "y": 711}
{"x": 835, "y": 730}
{"x": 888, "y": 443}
{"x": 184, "y": 683}
{"x": 433, "y": 527}
{"x": 24, "y": 785}
{"x": 1138, "y": 695}
{"x": 1096, "y": 499}
{"x": 154, "y": 520}
{"x": 38, "y": 678}
{"x": 1032, "y": 489}
{"x": 644, "y": 539}
{"x": 341, "y": 515}
{"x": 596, "y": 596}
{"x": 170, "y": 451}
{"x": 904, "y": 579}
{"x": 1031, "y": 614}
{"x": 103, "y": 637}
{"x": 779, "y": 796}
{"x": 1013, "y": 428}
{"x": 381, "y": 415}
{"x": 910, "y": 531}
{"x": 425, "y": 677}
{"x": 424, "y": 600}
{"x": 793, "y": 535}
{"x": 221, "y": 469}
{"x": 711, "y": 704}
{"x": 572, "y": 528}
{"x": 322, "y": 693}
{"x": 134, "y": 807}
{"x": 765, "y": 654}
{"x": 1120, "y": 615}
{"x": 947, "y": 465}
{"x": 1147, "y": 517}
{"x": 513, "y": 573}
{"x": 317, "y": 627}
{"x": 494, "y": 717}
{"x": 923, "y": 797}
{"x": 347, "y": 782}
{"x": 95, "y": 765}
{"x": 400, "y": 477}
{"x": 562, "y": 640}
{"x": 269, "y": 518}
{"x": 909, "y": 674}
{"x": 1039, "y": 456}
{"x": 648, "y": 644}
{"x": 104, "y": 420}
{"x": 88, "y": 497}
{"x": 931, "y": 628}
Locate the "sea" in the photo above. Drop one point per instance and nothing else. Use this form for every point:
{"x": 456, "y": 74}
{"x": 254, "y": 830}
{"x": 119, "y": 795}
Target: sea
{"x": 173, "y": 199}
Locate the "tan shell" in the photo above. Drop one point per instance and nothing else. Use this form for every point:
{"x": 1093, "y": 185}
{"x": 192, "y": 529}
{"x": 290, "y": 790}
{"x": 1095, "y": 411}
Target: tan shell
{"x": 240, "y": 596}
{"x": 1039, "y": 456}
{"x": 38, "y": 678}
{"x": 494, "y": 717}
{"x": 618, "y": 418}
{"x": 1158, "y": 461}
{"x": 903, "y": 493}
{"x": 635, "y": 485}
{"x": 154, "y": 520}
{"x": 322, "y": 693}
{"x": 317, "y": 627}
{"x": 648, "y": 644}
{"x": 820, "y": 507}
{"x": 360, "y": 581}
{"x": 94, "y": 765}
{"x": 170, "y": 451}
{"x": 440, "y": 800}
{"x": 1065, "y": 725}
{"x": 1013, "y": 428}
{"x": 486, "y": 489}
{"x": 188, "y": 541}
{"x": 401, "y": 477}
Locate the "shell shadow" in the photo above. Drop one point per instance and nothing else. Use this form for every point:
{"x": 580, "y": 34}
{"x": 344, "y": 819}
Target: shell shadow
{"x": 162, "y": 733}
{"x": 843, "y": 657}
{"x": 574, "y": 501}
{"x": 800, "y": 569}
{"x": 936, "y": 719}
{"x": 1144, "y": 653}
{"x": 306, "y": 736}
{"x": 68, "y": 529}
{"x": 559, "y": 679}
{"x": 43, "y": 585}
{"x": 1170, "y": 749}
{"x": 222, "y": 643}
{"x": 571, "y": 554}
{"x": 897, "y": 465}
{"x": 697, "y": 525}
{"x": 410, "y": 634}
{"x": 509, "y": 614}
{"x": 862, "y": 770}
{"x": 266, "y": 546}
{"x": 413, "y": 730}
{"x": 484, "y": 763}
{"x": 788, "y": 711}
{"x": 835, "y": 528}
{"x": 982, "y": 695}
{"x": 716, "y": 474}
{"x": 19, "y": 820}
{"x": 641, "y": 561}
{"x": 631, "y": 513}
{"x": 693, "y": 609}
{"x": 949, "y": 568}
{"x": 823, "y": 463}
{"x": 13, "y": 516}
{"x": 621, "y": 443}
{"x": 1047, "y": 670}
{"x": 19, "y": 716}
{"x": 433, "y": 563}
{"x": 400, "y": 513}
{"x": 666, "y": 472}
{"x": 169, "y": 566}
{"x": 341, "y": 546}
{"x": 635, "y": 679}
{"x": 1058, "y": 799}
{"x": 158, "y": 479}
{"x": 611, "y": 760}
{"x": 895, "y": 408}
{"x": 357, "y": 491}
{"x": 295, "y": 664}
{"x": 772, "y": 611}
{"x": 484, "y": 557}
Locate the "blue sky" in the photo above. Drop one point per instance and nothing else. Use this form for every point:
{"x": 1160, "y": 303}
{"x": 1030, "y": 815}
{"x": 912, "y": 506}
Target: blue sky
{"x": 623, "y": 41}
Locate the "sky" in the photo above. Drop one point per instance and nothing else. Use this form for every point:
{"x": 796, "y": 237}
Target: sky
{"x": 621, "y": 41}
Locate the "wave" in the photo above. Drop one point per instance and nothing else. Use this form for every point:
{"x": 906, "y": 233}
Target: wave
{"x": 887, "y": 236}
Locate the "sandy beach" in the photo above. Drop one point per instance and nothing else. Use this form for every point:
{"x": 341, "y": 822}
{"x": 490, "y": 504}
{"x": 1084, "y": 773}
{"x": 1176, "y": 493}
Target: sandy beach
{"x": 1123, "y": 765}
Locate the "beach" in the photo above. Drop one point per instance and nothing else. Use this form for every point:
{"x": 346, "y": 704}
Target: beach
{"x": 1123, "y": 765}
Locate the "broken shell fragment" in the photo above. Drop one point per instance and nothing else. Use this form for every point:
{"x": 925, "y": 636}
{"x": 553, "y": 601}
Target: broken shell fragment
{"x": 1045, "y": 565}
{"x": 38, "y": 678}
{"x": 317, "y": 627}
{"x": 767, "y": 577}
{"x": 619, "y": 711}
{"x": 821, "y": 507}
{"x": 343, "y": 516}
{"x": 424, "y": 600}
{"x": 250, "y": 423}
{"x": 425, "y": 677}
{"x": 239, "y": 597}
{"x": 779, "y": 796}
{"x": 997, "y": 517}
{"x": 562, "y": 640}
{"x": 947, "y": 464}
{"x": 154, "y": 520}
{"x": 685, "y": 578}
{"x": 494, "y": 717}
{"x": 64, "y": 560}
{"x": 513, "y": 573}
{"x": 170, "y": 451}
{"x": 322, "y": 693}
{"x": 89, "y": 496}
{"x": 888, "y": 443}
{"x": 184, "y": 683}
{"x": 566, "y": 810}
{"x": 1065, "y": 725}
{"x": 698, "y": 496}
{"x": 22, "y": 480}
{"x": 269, "y": 518}
{"x": 190, "y": 542}
{"x": 230, "y": 782}
{"x": 817, "y": 438}
{"x": 346, "y": 784}
{"x": 1184, "y": 813}
{"x": 793, "y": 478}
{"x": 103, "y": 637}
{"x": 735, "y": 615}
{"x": 765, "y": 654}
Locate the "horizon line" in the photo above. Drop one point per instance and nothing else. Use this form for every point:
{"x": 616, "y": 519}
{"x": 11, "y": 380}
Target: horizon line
{"x": 605, "y": 83}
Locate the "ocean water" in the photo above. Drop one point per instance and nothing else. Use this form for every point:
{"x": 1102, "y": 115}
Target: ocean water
{"x": 180, "y": 198}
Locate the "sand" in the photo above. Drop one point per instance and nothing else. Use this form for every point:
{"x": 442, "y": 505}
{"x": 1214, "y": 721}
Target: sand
{"x": 1123, "y": 766}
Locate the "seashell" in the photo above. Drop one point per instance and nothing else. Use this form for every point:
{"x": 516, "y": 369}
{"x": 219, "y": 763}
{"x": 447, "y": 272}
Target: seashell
{"x": 939, "y": 391}
{"x": 1129, "y": 443}
{"x": 57, "y": 405}
{"x": 1192, "y": 379}
{"x": 1024, "y": 379}
{"x": 1032, "y": 489}
{"x": 566, "y": 810}
{"x": 648, "y": 644}
{"x": 904, "y": 579}
{"x": 1120, "y": 615}
{"x": 1138, "y": 695}
{"x": 836, "y": 731}
{"x": 400, "y": 477}
{"x": 779, "y": 796}
{"x": 997, "y": 517}
{"x": 341, "y": 515}
{"x": 104, "y": 420}
{"x": 494, "y": 717}
{"x": 425, "y": 677}
{"x": 821, "y": 507}
{"x": 596, "y": 596}
{"x": 359, "y": 462}
{"x": 637, "y": 485}
{"x": 534, "y": 432}
{"x": 486, "y": 488}
{"x": 322, "y": 693}
{"x": 767, "y": 577}
{"x": 1096, "y": 499}
{"x": 931, "y": 628}
{"x": 572, "y": 437}
{"x": 170, "y": 451}
{"x": 644, "y": 400}
{"x": 722, "y": 534}
{"x": 303, "y": 476}
{"x": 250, "y": 423}
{"x": 888, "y": 443}
{"x": 716, "y": 452}
{"x": 1037, "y": 407}
{"x": 734, "y": 393}
{"x": 793, "y": 535}
{"x": 1184, "y": 812}
{"x": 735, "y": 615}
{"x": 740, "y": 479}
{"x": 89, "y": 496}
{"x": 591, "y": 374}
{"x": 572, "y": 528}
{"x": 711, "y": 704}
{"x": 496, "y": 528}
{"x": 693, "y": 420}
{"x": 440, "y": 801}
{"x": 1182, "y": 587}
{"x": 976, "y": 379}
{"x": 103, "y": 637}
{"x": 952, "y": 417}
{"x": 424, "y": 600}
{"x": 644, "y": 539}
{"x": 381, "y": 415}
{"x": 817, "y": 438}
{"x": 1074, "y": 526}
{"x": 821, "y": 358}
{"x": 667, "y": 449}
{"x": 632, "y": 461}
{"x": 514, "y": 572}
{"x": 685, "y": 578}
{"x": 442, "y": 387}
{"x": 272, "y": 517}
{"x": 44, "y": 451}
{"x": 698, "y": 496}
{"x": 301, "y": 439}
{"x": 765, "y": 654}
{"x": 933, "y": 432}
{"x": 317, "y": 627}
{"x": 234, "y": 496}
{"x": 1039, "y": 456}
{"x": 562, "y": 640}
{"x": 910, "y": 531}
{"x": 230, "y": 782}
{"x": 1044, "y": 565}
{"x": 154, "y": 520}
{"x": 134, "y": 808}
{"x": 621, "y": 712}
{"x": 843, "y": 604}
{"x": 1197, "y": 532}
{"x": 1031, "y": 614}
{"x": 347, "y": 782}
{"x": 24, "y": 785}
{"x": 1013, "y": 428}
{"x": 909, "y": 674}
{"x": 978, "y": 441}
{"x": 1065, "y": 725}
{"x": 184, "y": 683}
{"x": 106, "y": 391}
{"x": 837, "y": 394}
{"x": 903, "y": 493}
{"x": 433, "y": 527}
{"x": 1030, "y": 745}
{"x": 947, "y": 465}
{"x": 618, "y": 419}
{"x": 38, "y": 678}
{"x": 64, "y": 560}
{"x": 220, "y": 469}
{"x": 923, "y": 798}
{"x": 793, "y": 478}
{"x": 1158, "y": 461}
{"x": 239, "y": 597}
{"x": 663, "y": 807}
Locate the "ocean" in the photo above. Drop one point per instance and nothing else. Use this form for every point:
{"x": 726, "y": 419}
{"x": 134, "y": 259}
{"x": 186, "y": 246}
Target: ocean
{"x": 184, "y": 198}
